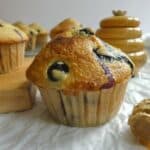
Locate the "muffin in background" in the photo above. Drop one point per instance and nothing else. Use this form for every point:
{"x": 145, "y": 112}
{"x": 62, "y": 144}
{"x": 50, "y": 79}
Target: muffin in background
{"x": 81, "y": 79}
{"x": 12, "y": 46}
{"x": 42, "y": 36}
{"x": 139, "y": 122}
{"x": 31, "y": 33}
{"x": 63, "y": 26}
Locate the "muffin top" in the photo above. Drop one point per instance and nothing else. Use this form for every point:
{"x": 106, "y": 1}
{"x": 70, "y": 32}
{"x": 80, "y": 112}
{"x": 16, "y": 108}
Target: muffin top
{"x": 65, "y": 25}
{"x": 79, "y": 62}
{"x": 119, "y": 19}
{"x": 25, "y": 28}
{"x": 38, "y": 28}
{"x": 10, "y": 34}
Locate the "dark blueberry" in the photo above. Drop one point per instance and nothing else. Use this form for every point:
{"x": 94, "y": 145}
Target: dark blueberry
{"x": 59, "y": 66}
{"x": 108, "y": 58}
{"x": 1, "y": 25}
{"x": 86, "y": 31}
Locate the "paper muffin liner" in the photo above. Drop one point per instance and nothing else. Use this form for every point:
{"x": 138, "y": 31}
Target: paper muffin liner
{"x": 87, "y": 108}
{"x": 42, "y": 39}
{"x": 11, "y": 56}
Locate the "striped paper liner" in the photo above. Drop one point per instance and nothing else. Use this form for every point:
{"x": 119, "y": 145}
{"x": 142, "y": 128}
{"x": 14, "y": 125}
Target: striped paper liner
{"x": 85, "y": 109}
{"x": 11, "y": 56}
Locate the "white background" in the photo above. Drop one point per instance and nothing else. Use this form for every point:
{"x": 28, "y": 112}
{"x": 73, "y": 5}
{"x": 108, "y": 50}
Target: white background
{"x": 88, "y": 12}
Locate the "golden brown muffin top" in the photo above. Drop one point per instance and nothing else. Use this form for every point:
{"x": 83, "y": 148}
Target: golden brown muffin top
{"x": 38, "y": 28}
{"x": 25, "y": 28}
{"x": 119, "y": 19}
{"x": 139, "y": 122}
{"x": 65, "y": 25}
{"x": 79, "y": 62}
{"x": 10, "y": 34}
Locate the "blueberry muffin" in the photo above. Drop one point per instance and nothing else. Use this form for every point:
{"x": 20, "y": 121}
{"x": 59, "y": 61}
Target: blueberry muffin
{"x": 81, "y": 79}
{"x": 42, "y": 36}
{"x": 31, "y": 33}
{"x": 12, "y": 46}
{"x": 139, "y": 122}
{"x": 65, "y": 25}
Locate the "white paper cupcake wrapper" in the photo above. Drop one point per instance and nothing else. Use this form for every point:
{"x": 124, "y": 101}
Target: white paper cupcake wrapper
{"x": 85, "y": 109}
{"x": 11, "y": 56}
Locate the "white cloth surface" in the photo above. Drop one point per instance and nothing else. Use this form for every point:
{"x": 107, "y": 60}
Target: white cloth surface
{"x": 35, "y": 130}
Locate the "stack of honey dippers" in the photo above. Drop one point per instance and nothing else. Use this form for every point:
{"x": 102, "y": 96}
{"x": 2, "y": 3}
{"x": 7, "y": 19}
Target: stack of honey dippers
{"x": 123, "y": 32}
{"x": 15, "y": 90}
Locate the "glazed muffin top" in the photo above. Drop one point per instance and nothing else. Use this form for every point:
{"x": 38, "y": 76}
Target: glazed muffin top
{"x": 119, "y": 19}
{"x": 38, "y": 28}
{"x": 25, "y": 28}
{"x": 79, "y": 62}
{"x": 65, "y": 25}
{"x": 10, "y": 34}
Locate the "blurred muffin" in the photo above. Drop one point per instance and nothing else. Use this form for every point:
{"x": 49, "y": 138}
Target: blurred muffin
{"x": 42, "y": 36}
{"x": 12, "y": 46}
{"x": 81, "y": 79}
{"x": 139, "y": 122}
{"x": 65, "y": 25}
{"x": 31, "y": 33}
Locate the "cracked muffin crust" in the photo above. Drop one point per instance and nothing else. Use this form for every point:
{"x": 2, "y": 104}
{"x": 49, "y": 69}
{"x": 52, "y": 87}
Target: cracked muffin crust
{"x": 92, "y": 64}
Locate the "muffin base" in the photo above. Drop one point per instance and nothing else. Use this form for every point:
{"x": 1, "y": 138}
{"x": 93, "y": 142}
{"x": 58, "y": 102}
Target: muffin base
{"x": 11, "y": 56}
{"x": 86, "y": 109}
